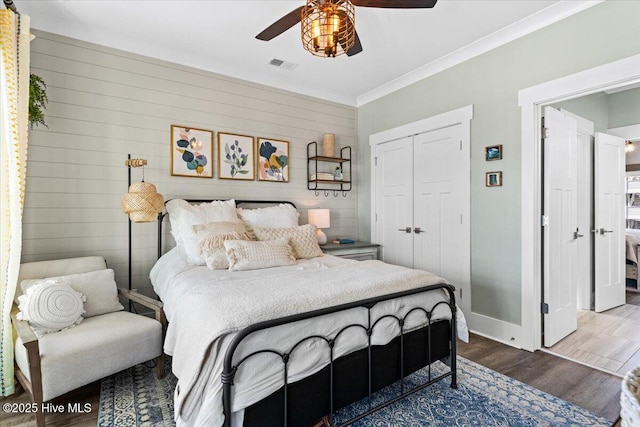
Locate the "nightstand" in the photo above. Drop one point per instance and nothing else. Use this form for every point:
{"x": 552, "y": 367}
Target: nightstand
{"x": 360, "y": 251}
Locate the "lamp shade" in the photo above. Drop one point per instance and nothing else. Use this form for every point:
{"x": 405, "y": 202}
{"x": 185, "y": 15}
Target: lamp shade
{"x": 142, "y": 202}
{"x": 321, "y": 218}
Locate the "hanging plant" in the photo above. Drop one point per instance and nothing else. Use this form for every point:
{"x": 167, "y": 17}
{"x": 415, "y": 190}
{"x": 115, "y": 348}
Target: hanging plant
{"x": 37, "y": 101}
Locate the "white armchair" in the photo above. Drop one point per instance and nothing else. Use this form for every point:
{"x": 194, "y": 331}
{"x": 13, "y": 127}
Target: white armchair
{"x": 59, "y": 362}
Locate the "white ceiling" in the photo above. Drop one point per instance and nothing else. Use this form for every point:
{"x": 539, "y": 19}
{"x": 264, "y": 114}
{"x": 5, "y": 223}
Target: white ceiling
{"x": 400, "y": 46}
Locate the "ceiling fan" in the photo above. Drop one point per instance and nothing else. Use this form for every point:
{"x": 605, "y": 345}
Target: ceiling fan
{"x": 328, "y": 26}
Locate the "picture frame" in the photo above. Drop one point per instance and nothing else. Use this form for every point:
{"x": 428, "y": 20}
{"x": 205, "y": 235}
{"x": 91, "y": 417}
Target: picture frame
{"x": 236, "y": 158}
{"x": 273, "y": 160}
{"x": 493, "y": 179}
{"x": 191, "y": 152}
{"x": 493, "y": 152}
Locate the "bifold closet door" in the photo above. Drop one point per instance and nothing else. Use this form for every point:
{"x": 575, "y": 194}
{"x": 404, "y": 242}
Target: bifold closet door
{"x": 394, "y": 201}
{"x": 437, "y": 213}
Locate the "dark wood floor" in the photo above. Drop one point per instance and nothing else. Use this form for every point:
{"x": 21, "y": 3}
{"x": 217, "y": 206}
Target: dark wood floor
{"x": 588, "y": 388}
{"x": 593, "y": 390}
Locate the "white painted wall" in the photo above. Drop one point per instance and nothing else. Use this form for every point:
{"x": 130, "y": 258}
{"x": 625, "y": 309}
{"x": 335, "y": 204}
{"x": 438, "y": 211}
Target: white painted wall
{"x": 105, "y": 103}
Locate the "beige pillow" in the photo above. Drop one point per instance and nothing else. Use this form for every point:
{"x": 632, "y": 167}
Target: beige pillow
{"x": 184, "y": 215}
{"x": 248, "y": 255}
{"x": 303, "y": 239}
{"x": 99, "y": 287}
{"x": 211, "y": 238}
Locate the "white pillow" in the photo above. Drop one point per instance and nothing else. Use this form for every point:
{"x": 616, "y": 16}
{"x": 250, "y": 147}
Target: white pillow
{"x": 211, "y": 238}
{"x": 280, "y": 216}
{"x": 303, "y": 239}
{"x": 98, "y": 287}
{"x": 250, "y": 255}
{"x": 183, "y": 216}
{"x": 50, "y": 307}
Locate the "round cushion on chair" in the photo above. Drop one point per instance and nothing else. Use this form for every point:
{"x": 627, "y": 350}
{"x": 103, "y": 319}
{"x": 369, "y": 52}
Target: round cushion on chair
{"x": 51, "y": 307}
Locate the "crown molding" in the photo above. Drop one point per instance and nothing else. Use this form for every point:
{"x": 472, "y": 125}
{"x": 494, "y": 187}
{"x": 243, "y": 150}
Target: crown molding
{"x": 541, "y": 19}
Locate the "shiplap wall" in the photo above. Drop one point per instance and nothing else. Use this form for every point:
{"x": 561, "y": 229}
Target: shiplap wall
{"x": 105, "y": 104}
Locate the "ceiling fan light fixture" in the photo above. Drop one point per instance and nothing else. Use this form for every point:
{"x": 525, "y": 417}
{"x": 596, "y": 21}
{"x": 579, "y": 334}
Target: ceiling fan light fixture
{"x": 629, "y": 147}
{"x": 328, "y": 27}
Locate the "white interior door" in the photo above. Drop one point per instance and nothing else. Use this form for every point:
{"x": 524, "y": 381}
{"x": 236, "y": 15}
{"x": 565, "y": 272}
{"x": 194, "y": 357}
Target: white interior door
{"x": 561, "y": 233}
{"x": 437, "y": 221}
{"x": 394, "y": 201}
{"x": 609, "y": 221}
{"x": 585, "y": 210}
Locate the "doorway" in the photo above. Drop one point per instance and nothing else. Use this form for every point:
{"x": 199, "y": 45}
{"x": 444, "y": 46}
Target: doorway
{"x": 588, "y": 329}
{"x": 531, "y": 100}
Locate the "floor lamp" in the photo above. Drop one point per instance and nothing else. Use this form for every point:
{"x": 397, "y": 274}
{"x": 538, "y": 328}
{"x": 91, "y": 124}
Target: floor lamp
{"x": 142, "y": 203}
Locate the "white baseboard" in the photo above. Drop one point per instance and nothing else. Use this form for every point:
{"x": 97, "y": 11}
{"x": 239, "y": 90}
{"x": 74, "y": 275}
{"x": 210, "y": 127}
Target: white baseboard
{"x": 497, "y": 330}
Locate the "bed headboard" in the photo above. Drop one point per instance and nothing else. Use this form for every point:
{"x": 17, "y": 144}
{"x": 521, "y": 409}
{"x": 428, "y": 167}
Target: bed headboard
{"x": 247, "y": 204}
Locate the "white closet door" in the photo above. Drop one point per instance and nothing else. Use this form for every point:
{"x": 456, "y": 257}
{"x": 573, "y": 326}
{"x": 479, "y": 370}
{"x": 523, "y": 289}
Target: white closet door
{"x": 437, "y": 217}
{"x": 394, "y": 201}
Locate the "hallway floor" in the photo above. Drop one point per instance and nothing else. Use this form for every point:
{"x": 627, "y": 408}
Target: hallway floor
{"x": 608, "y": 340}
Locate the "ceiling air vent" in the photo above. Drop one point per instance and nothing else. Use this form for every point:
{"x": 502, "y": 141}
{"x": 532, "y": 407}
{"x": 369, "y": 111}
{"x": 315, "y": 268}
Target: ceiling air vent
{"x": 285, "y": 65}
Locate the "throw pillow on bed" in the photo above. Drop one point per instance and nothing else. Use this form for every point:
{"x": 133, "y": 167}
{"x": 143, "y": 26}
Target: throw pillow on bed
{"x": 50, "y": 306}
{"x": 250, "y": 255}
{"x": 302, "y": 238}
{"x": 184, "y": 215}
{"x": 99, "y": 287}
{"x": 211, "y": 238}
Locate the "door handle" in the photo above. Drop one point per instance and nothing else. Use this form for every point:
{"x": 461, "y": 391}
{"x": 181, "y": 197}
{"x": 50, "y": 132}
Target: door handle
{"x": 417, "y": 230}
{"x": 577, "y": 235}
{"x": 601, "y": 231}
{"x": 406, "y": 229}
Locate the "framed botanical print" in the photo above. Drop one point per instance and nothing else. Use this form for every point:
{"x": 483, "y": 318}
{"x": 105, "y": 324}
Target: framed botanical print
{"x": 236, "y": 156}
{"x": 191, "y": 152}
{"x": 273, "y": 160}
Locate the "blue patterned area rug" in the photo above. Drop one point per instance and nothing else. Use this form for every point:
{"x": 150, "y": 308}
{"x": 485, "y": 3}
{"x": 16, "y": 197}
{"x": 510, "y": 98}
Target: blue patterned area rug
{"x": 135, "y": 397}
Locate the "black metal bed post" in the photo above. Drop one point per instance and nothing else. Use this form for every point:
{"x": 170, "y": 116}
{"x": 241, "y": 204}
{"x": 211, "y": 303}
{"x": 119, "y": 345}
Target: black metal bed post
{"x": 159, "y": 239}
{"x": 454, "y": 336}
{"x": 11, "y": 6}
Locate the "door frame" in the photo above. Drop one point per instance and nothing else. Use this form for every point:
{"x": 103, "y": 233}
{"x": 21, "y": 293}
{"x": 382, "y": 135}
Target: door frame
{"x": 531, "y": 101}
{"x": 461, "y": 116}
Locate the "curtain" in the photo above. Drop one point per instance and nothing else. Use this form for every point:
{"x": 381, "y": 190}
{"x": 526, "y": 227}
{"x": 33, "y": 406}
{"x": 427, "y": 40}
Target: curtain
{"x": 14, "y": 117}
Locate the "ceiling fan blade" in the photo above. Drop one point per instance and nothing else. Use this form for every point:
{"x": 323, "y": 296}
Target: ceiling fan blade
{"x": 281, "y": 25}
{"x": 399, "y": 4}
{"x": 356, "y": 48}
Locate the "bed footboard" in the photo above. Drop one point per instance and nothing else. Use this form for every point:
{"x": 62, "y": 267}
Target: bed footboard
{"x": 373, "y": 377}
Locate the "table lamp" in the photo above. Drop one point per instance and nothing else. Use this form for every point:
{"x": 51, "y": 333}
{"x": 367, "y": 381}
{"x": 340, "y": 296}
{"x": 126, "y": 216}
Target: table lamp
{"x": 321, "y": 218}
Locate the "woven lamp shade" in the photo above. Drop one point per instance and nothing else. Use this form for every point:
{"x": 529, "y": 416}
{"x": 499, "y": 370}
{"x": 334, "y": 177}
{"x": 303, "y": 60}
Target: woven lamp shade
{"x": 142, "y": 202}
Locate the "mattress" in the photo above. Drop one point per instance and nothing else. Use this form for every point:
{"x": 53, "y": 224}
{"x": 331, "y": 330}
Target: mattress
{"x": 187, "y": 292}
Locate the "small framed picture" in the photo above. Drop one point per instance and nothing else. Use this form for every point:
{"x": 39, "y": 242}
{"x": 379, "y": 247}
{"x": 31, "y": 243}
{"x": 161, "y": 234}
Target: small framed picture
{"x": 236, "y": 156}
{"x": 273, "y": 160}
{"x": 493, "y": 152}
{"x": 493, "y": 179}
{"x": 191, "y": 152}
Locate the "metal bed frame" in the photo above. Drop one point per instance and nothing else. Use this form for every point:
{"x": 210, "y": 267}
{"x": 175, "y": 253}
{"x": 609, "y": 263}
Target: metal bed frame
{"x": 230, "y": 368}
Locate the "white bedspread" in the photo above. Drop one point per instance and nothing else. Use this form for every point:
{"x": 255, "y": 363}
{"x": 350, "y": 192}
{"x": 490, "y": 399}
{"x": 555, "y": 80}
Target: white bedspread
{"x": 205, "y": 308}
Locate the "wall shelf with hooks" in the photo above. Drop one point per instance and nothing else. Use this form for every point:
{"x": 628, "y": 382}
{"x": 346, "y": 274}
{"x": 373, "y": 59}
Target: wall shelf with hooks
{"x": 328, "y": 186}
